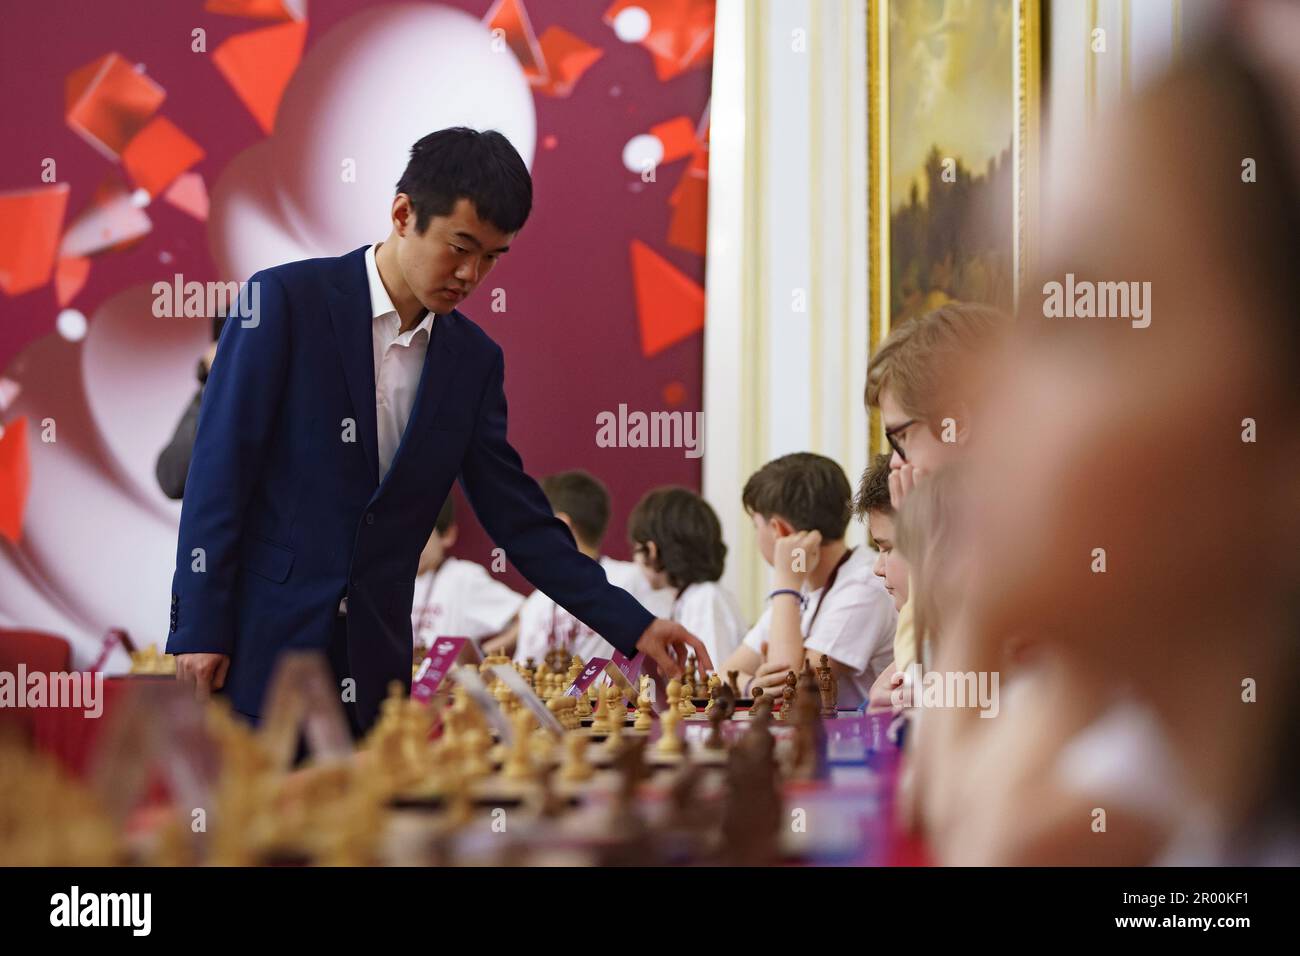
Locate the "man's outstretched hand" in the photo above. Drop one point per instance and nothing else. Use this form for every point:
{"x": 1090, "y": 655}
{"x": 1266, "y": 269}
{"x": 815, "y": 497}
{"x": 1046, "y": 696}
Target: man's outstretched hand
{"x": 206, "y": 672}
{"x": 667, "y": 644}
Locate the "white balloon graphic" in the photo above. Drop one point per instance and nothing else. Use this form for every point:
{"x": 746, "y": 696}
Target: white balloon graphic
{"x": 90, "y": 547}
{"x": 365, "y": 93}
{"x": 138, "y": 376}
{"x": 642, "y": 152}
{"x": 246, "y": 230}
{"x": 632, "y": 24}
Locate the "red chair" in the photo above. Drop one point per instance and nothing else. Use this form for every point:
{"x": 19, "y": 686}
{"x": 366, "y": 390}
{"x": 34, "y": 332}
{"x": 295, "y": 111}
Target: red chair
{"x": 39, "y": 652}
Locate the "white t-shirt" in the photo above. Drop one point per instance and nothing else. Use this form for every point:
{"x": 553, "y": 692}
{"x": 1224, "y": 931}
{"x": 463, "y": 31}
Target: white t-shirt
{"x": 855, "y": 628}
{"x": 461, "y": 599}
{"x": 710, "y": 612}
{"x": 543, "y": 624}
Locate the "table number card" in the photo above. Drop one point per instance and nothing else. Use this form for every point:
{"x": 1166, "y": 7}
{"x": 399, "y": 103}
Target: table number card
{"x": 442, "y": 656}
{"x": 620, "y": 680}
{"x": 528, "y": 697}
{"x": 595, "y": 667}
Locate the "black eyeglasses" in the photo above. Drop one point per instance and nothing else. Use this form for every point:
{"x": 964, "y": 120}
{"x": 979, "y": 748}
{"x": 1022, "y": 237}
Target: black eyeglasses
{"x": 891, "y": 436}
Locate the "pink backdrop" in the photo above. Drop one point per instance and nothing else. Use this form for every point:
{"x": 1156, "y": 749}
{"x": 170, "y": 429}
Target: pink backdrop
{"x": 97, "y": 537}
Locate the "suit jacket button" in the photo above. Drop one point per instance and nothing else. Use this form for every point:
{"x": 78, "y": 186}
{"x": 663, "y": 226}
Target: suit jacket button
{"x": 370, "y": 518}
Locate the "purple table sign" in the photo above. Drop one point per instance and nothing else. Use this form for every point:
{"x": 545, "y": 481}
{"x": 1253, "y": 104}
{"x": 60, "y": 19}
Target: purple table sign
{"x": 631, "y": 669}
{"x": 619, "y": 680}
{"x": 595, "y": 667}
{"x": 441, "y": 658}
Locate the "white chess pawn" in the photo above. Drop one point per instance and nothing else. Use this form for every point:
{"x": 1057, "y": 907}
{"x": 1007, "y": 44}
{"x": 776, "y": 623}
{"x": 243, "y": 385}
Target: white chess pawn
{"x": 669, "y": 743}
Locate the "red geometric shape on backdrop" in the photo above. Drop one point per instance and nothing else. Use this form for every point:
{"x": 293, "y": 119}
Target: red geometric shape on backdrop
{"x": 107, "y": 102}
{"x": 678, "y": 137}
{"x": 689, "y": 226}
{"x": 567, "y": 58}
{"x": 109, "y": 222}
{"x": 33, "y": 219}
{"x": 681, "y": 33}
{"x": 510, "y": 17}
{"x": 158, "y": 154}
{"x": 70, "y": 277}
{"x": 258, "y": 66}
{"x": 259, "y": 9}
{"x": 189, "y": 194}
{"x": 669, "y": 305}
{"x": 15, "y": 478}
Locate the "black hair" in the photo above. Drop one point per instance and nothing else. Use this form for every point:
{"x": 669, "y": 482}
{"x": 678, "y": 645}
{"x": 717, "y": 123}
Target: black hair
{"x": 462, "y": 163}
{"x": 808, "y": 490}
{"x": 584, "y": 499}
{"x": 686, "y": 533}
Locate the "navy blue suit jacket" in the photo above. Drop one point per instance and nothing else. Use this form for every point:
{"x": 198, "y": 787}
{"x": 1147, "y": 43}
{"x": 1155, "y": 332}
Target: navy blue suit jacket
{"x": 284, "y": 500}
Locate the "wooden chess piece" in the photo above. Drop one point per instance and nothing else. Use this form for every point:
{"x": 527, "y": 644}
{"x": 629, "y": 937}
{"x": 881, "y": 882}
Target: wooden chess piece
{"x": 644, "y": 713}
{"x": 519, "y": 761}
{"x": 826, "y": 687}
{"x": 809, "y": 755}
{"x": 630, "y": 764}
{"x": 504, "y": 698}
{"x": 788, "y": 695}
{"x": 475, "y": 747}
{"x": 687, "y": 706}
{"x": 716, "y": 717}
{"x": 669, "y": 743}
{"x": 714, "y": 685}
{"x": 542, "y": 747}
{"x": 600, "y": 722}
{"x": 752, "y": 809}
{"x": 582, "y": 708}
{"x": 731, "y": 679}
{"x": 617, "y": 719}
{"x": 576, "y": 768}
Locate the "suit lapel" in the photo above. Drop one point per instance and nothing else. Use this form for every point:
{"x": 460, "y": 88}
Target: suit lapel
{"x": 350, "y": 315}
{"x": 435, "y": 380}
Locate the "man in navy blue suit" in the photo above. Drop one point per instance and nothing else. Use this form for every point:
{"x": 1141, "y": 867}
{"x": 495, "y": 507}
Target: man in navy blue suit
{"x": 337, "y": 415}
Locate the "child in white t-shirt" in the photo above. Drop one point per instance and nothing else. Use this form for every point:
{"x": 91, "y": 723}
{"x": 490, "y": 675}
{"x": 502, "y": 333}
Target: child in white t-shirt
{"x": 455, "y": 598}
{"x": 582, "y": 503}
{"x": 677, "y": 541}
{"x": 825, "y": 598}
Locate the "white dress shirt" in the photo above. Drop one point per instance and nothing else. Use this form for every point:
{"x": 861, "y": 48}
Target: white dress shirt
{"x": 399, "y": 359}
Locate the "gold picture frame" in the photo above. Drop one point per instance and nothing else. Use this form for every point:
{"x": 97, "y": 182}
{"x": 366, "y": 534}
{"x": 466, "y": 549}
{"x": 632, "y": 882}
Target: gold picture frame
{"x": 1026, "y": 48}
